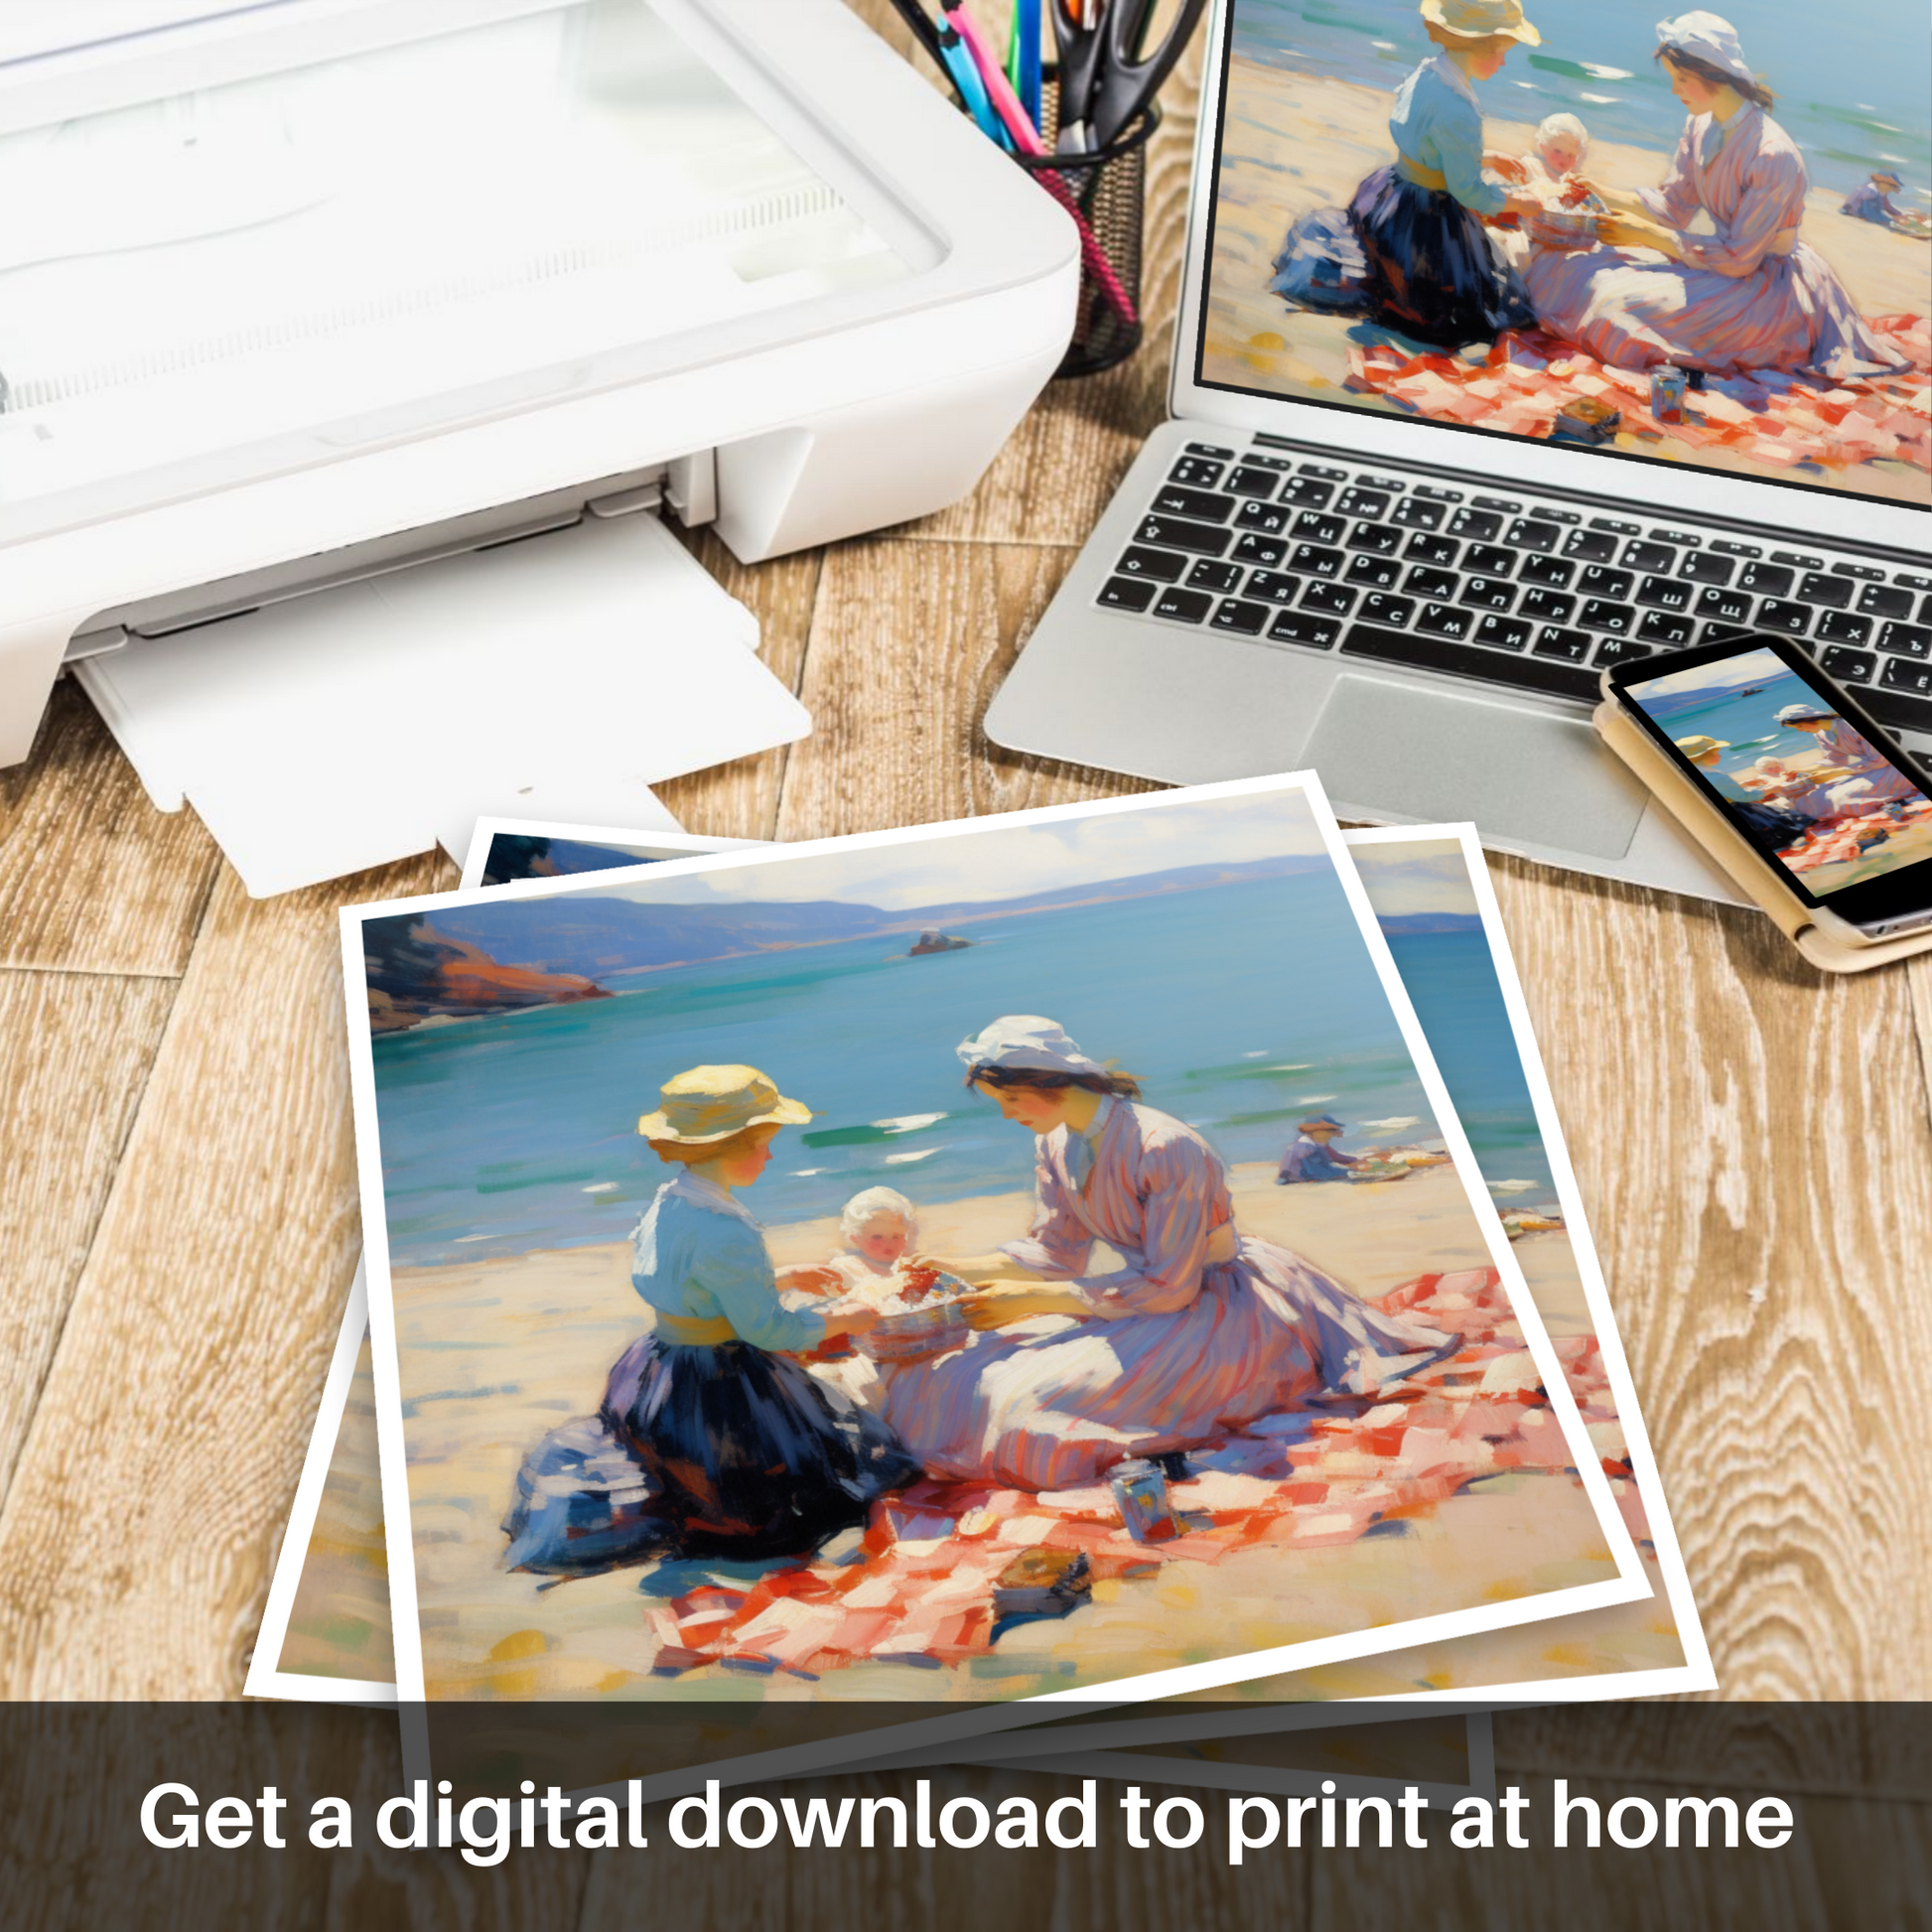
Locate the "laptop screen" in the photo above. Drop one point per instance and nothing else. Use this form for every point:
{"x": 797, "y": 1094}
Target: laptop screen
{"x": 1701, "y": 243}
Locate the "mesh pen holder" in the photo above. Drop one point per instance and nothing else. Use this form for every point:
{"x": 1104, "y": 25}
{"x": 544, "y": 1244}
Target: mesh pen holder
{"x": 1105, "y": 192}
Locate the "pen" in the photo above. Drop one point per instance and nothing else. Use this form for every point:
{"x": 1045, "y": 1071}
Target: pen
{"x": 1022, "y": 57}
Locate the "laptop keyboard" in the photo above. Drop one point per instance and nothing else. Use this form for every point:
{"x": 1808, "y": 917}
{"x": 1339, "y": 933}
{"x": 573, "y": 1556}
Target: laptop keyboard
{"x": 1528, "y": 594}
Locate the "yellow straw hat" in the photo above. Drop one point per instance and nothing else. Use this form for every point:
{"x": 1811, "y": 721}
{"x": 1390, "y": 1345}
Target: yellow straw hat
{"x": 1699, "y": 746}
{"x": 1481, "y": 20}
{"x": 711, "y": 1103}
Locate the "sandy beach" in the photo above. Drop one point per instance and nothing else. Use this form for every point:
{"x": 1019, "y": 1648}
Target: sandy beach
{"x": 1293, "y": 143}
{"x": 496, "y": 1353}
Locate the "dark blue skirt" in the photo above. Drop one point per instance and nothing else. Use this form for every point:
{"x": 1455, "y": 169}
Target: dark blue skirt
{"x": 1431, "y": 272}
{"x": 725, "y": 1452}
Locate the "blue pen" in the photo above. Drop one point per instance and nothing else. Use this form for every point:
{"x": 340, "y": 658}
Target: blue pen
{"x": 972, "y": 89}
{"x": 1026, "y": 78}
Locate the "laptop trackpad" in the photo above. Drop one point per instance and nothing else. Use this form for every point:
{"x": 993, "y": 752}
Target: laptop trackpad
{"x": 1431, "y": 755}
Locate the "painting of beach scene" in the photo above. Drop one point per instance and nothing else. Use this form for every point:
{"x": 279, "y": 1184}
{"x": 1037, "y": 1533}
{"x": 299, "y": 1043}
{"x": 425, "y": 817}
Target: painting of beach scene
{"x": 878, "y": 1273}
{"x": 1512, "y": 217}
{"x": 1798, "y": 779}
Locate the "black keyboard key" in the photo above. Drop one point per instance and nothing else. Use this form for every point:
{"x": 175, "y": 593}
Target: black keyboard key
{"x": 1395, "y": 612}
{"x": 1619, "y": 650}
{"x": 1383, "y": 539}
{"x": 1780, "y": 613}
{"x": 1161, "y": 565}
{"x": 1271, "y": 520}
{"x": 1247, "y": 480}
{"x": 1547, "y": 607}
{"x": 1590, "y": 546}
{"x": 1910, "y": 581}
{"x": 1676, "y": 536}
{"x": 1489, "y": 560}
{"x": 1901, "y": 674}
{"x": 1362, "y": 502}
{"x": 1503, "y": 633}
{"x": 1237, "y": 614}
{"x": 1430, "y": 582}
{"x": 1621, "y": 528}
{"x": 1333, "y": 599}
{"x": 1479, "y": 525}
{"x": 1316, "y": 528}
{"x": 1468, "y": 660}
{"x": 1842, "y": 627}
{"x": 1440, "y": 496}
{"x": 1882, "y": 600}
{"x": 1664, "y": 594}
{"x": 1531, "y": 533}
{"x": 1196, "y": 472}
{"x": 1508, "y": 504}
{"x": 1642, "y": 555}
{"x": 1727, "y": 607}
{"x": 1834, "y": 593}
{"x": 1251, "y": 548}
{"x": 1172, "y": 499}
{"x": 1280, "y": 464}
{"x": 1797, "y": 560}
{"x": 1702, "y": 568}
{"x": 1598, "y": 582}
{"x": 1426, "y": 549}
{"x": 1768, "y": 580}
{"x": 1127, "y": 593}
{"x": 1731, "y": 549}
{"x": 1925, "y": 611}
{"x": 1487, "y": 594}
{"x": 1307, "y": 492}
{"x": 1184, "y": 607}
{"x": 1378, "y": 573}
{"x": 1313, "y": 561}
{"x": 1572, "y": 647}
{"x": 1445, "y": 621}
{"x": 1417, "y": 513}
{"x": 1211, "y": 449}
{"x": 1299, "y": 627}
{"x": 1601, "y": 614}
{"x": 1316, "y": 470}
{"x": 1847, "y": 666}
{"x": 1664, "y": 628}
{"x": 1210, "y": 575}
{"x": 1866, "y": 572}
{"x": 1552, "y": 571}
{"x": 1725, "y": 634}
{"x": 1176, "y": 534}
{"x": 1906, "y": 640}
{"x": 1545, "y": 515}
{"x": 1277, "y": 586}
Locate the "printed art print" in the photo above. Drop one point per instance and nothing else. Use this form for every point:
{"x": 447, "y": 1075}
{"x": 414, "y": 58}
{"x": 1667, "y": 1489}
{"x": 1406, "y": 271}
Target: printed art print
{"x": 1703, "y": 240}
{"x": 663, "y": 1417}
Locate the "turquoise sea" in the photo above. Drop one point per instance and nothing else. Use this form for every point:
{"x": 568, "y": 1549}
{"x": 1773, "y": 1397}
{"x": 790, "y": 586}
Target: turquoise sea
{"x": 1240, "y": 1007}
{"x": 1851, "y": 84}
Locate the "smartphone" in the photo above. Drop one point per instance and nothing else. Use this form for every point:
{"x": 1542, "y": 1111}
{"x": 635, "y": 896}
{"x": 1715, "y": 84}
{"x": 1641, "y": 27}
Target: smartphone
{"x": 1835, "y": 806}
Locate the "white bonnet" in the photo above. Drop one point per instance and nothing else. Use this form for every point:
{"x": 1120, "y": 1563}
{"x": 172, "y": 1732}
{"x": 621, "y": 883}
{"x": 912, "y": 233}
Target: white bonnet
{"x": 1566, "y": 125}
{"x": 877, "y": 1204}
{"x": 1026, "y": 1040}
{"x": 1706, "y": 37}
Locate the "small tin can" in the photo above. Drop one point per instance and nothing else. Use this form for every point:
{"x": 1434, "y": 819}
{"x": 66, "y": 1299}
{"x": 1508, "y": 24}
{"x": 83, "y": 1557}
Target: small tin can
{"x": 1141, "y": 1491}
{"x": 1668, "y": 387}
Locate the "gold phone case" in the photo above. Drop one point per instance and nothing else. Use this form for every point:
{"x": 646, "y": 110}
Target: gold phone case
{"x": 1713, "y": 829}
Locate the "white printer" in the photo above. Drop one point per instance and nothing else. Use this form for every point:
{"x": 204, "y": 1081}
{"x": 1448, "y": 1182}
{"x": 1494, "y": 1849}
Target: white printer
{"x": 311, "y": 310}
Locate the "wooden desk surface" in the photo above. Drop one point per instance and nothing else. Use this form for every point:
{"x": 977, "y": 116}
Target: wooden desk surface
{"x": 178, "y": 1222}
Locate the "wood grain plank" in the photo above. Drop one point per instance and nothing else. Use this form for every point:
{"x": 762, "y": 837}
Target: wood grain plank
{"x": 1759, "y": 1182}
{"x": 92, "y": 878}
{"x": 909, "y": 642}
{"x": 740, "y": 800}
{"x": 74, "y": 1054}
{"x": 136, "y": 1538}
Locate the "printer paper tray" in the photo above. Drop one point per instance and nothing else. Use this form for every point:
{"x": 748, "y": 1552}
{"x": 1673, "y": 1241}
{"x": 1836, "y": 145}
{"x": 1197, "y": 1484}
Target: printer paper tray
{"x": 554, "y": 677}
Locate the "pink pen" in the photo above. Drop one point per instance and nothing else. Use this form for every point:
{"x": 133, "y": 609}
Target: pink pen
{"x": 1026, "y": 137}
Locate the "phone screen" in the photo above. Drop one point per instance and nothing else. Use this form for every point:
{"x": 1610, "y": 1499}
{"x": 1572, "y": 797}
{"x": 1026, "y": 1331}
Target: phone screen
{"x": 1798, "y": 778}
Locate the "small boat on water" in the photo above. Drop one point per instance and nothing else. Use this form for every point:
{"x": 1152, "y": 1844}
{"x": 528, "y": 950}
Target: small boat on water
{"x": 933, "y": 940}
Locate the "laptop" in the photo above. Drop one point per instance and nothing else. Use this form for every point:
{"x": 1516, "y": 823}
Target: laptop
{"x": 1337, "y": 553}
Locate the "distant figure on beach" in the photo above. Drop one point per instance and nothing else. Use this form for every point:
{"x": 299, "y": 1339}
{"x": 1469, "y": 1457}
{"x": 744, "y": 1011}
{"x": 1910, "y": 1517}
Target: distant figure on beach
{"x": 1312, "y": 1154}
{"x": 722, "y": 1445}
{"x": 1749, "y": 296}
{"x": 1778, "y": 822}
{"x": 1197, "y": 1333}
{"x": 1872, "y": 201}
{"x": 1411, "y": 250}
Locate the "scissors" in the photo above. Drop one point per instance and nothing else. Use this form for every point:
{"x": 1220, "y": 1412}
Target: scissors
{"x": 1107, "y": 75}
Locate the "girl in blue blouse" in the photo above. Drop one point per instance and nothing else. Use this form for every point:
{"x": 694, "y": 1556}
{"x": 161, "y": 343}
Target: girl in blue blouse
{"x": 712, "y": 1440}
{"x": 1422, "y": 262}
